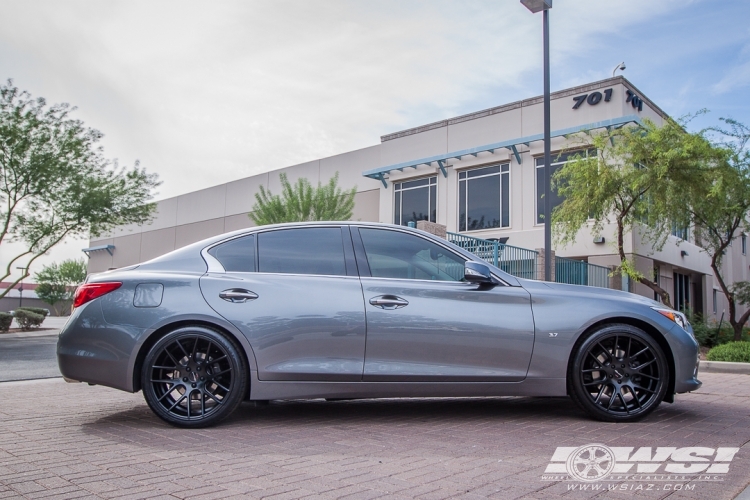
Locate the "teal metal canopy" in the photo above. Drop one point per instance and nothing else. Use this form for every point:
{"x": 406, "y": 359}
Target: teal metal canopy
{"x": 108, "y": 248}
{"x": 511, "y": 145}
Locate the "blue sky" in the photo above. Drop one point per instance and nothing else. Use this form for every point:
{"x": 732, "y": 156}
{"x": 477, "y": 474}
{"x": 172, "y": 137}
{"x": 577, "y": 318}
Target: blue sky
{"x": 207, "y": 92}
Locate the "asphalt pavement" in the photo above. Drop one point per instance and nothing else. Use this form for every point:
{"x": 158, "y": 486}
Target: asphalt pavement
{"x": 30, "y": 355}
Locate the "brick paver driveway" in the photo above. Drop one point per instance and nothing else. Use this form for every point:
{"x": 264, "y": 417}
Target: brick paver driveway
{"x": 62, "y": 440}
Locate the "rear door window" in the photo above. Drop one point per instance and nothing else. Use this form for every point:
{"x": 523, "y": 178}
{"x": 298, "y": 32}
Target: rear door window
{"x": 309, "y": 250}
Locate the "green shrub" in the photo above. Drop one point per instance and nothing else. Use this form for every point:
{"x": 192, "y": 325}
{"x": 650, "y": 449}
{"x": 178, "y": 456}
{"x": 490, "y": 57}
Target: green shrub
{"x": 708, "y": 334}
{"x": 731, "y": 351}
{"x": 5, "y": 320}
{"x": 28, "y": 320}
{"x": 36, "y": 310}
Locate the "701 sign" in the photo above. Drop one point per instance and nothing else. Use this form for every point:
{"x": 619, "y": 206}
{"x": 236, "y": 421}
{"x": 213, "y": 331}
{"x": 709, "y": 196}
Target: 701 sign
{"x": 593, "y": 98}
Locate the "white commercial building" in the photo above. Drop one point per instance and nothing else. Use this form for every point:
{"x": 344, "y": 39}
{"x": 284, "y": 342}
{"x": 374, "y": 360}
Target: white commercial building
{"x": 477, "y": 174}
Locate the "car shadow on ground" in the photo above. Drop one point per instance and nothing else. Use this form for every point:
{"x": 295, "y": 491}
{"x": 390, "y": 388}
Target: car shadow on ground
{"x": 416, "y": 413}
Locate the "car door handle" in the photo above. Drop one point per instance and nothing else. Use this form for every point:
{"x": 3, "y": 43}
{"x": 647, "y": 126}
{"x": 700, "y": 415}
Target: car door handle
{"x": 389, "y": 302}
{"x": 237, "y": 295}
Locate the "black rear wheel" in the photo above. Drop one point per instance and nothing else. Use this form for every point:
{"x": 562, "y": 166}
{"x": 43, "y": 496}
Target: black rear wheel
{"x": 194, "y": 377}
{"x": 619, "y": 374}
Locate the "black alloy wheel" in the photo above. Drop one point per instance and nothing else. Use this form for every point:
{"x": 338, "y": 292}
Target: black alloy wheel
{"x": 619, "y": 374}
{"x": 194, "y": 377}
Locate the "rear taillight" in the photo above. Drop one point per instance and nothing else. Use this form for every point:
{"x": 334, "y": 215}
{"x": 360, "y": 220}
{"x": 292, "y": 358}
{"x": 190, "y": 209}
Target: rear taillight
{"x": 89, "y": 291}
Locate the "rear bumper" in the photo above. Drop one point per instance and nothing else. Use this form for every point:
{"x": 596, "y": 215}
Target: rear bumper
{"x": 90, "y": 350}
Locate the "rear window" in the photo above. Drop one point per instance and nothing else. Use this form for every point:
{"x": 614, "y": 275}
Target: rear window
{"x": 237, "y": 255}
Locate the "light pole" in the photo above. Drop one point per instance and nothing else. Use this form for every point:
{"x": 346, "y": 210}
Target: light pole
{"x": 20, "y": 287}
{"x": 620, "y": 66}
{"x": 535, "y": 6}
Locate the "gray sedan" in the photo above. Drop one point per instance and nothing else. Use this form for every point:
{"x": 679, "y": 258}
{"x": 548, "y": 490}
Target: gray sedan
{"x": 359, "y": 310}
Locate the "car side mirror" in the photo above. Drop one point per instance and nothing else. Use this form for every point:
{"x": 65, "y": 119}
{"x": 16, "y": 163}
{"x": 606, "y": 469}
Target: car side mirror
{"x": 475, "y": 272}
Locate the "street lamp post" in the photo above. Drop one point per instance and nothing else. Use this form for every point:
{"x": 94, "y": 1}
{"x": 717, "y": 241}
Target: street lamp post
{"x": 535, "y": 6}
{"x": 20, "y": 287}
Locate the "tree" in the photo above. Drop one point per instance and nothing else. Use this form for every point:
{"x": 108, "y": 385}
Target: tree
{"x": 302, "y": 202}
{"x": 719, "y": 206}
{"x": 632, "y": 181}
{"x": 57, "y": 283}
{"x": 55, "y": 181}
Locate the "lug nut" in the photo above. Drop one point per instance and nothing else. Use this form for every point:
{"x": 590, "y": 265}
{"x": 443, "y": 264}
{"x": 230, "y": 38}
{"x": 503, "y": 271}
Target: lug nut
{"x": 184, "y": 379}
{"x": 203, "y": 378}
{"x": 194, "y": 386}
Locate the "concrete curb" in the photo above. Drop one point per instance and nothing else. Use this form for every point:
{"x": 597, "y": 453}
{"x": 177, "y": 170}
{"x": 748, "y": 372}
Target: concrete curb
{"x": 724, "y": 367}
{"x": 21, "y": 335}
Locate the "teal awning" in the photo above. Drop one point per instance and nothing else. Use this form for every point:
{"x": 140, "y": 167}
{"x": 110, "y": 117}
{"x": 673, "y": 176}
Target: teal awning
{"x": 511, "y": 145}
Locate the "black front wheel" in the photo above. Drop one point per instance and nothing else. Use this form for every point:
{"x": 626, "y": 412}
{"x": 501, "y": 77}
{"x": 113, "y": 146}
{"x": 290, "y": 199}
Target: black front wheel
{"x": 194, "y": 377}
{"x": 618, "y": 374}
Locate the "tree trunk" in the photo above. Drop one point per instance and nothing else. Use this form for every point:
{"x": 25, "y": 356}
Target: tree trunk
{"x": 737, "y": 332}
{"x": 663, "y": 294}
{"x": 736, "y": 325}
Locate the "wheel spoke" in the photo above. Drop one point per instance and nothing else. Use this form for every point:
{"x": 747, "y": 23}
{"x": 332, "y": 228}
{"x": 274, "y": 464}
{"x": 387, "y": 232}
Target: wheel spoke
{"x": 217, "y": 383}
{"x": 164, "y": 395}
{"x": 644, "y": 365}
{"x": 644, "y": 389}
{"x": 595, "y": 382}
{"x": 624, "y": 404}
{"x": 612, "y": 399}
{"x": 635, "y": 397}
{"x": 598, "y": 396}
{"x": 595, "y": 358}
{"x": 609, "y": 354}
{"x": 214, "y": 397}
{"x": 164, "y": 381}
{"x": 177, "y": 402}
{"x": 639, "y": 352}
{"x": 182, "y": 347}
{"x": 630, "y": 343}
{"x": 164, "y": 367}
{"x": 177, "y": 363}
{"x": 614, "y": 348}
{"x": 222, "y": 372}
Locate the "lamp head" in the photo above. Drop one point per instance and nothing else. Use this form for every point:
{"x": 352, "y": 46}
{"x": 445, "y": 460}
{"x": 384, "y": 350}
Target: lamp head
{"x": 537, "y": 5}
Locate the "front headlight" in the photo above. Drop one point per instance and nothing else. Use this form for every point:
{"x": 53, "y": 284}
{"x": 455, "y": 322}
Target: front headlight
{"x": 673, "y": 315}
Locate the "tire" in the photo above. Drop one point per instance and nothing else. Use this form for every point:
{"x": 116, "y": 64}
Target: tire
{"x": 618, "y": 373}
{"x": 194, "y": 377}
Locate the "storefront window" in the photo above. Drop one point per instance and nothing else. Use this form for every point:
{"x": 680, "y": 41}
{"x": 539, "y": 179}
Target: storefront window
{"x": 557, "y": 162}
{"x": 484, "y": 198}
{"x": 415, "y": 201}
